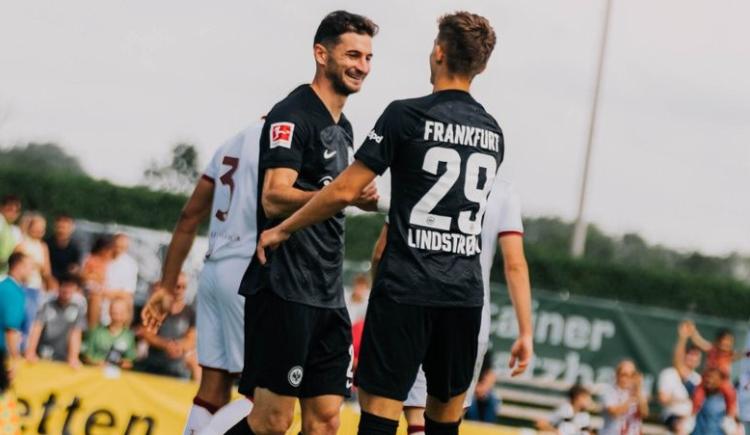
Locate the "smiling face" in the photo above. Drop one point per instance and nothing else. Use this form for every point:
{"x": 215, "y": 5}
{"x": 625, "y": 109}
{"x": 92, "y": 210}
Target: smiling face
{"x": 347, "y": 63}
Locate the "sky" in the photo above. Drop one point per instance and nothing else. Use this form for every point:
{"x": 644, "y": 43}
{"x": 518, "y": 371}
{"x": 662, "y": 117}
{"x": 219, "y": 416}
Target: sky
{"x": 118, "y": 83}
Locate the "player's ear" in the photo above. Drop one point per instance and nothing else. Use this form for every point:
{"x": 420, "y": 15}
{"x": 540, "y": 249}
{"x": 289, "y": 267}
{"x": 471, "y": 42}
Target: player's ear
{"x": 439, "y": 53}
{"x": 320, "y": 52}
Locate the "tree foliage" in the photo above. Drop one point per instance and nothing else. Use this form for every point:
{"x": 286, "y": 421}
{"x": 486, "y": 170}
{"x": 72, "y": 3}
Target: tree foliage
{"x": 42, "y": 157}
{"x": 178, "y": 175}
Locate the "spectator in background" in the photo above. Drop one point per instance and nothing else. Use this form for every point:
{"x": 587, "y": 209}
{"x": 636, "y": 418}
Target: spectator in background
{"x": 572, "y": 417}
{"x": 172, "y": 348}
{"x": 625, "y": 403}
{"x": 94, "y": 277}
{"x": 356, "y": 301}
{"x": 57, "y": 331}
{"x": 113, "y": 344}
{"x": 121, "y": 277}
{"x": 10, "y": 209}
{"x": 12, "y": 300}
{"x": 719, "y": 355}
{"x": 744, "y": 387}
{"x": 711, "y": 418}
{"x": 10, "y": 423}
{"x": 33, "y": 245}
{"x": 677, "y": 383}
{"x": 64, "y": 253}
{"x": 484, "y": 404}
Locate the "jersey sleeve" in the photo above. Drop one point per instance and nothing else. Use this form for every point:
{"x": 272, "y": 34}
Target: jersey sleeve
{"x": 510, "y": 215}
{"x": 378, "y": 149}
{"x": 211, "y": 173}
{"x": 12, "y": 314}
{"x": 283, "y": 141}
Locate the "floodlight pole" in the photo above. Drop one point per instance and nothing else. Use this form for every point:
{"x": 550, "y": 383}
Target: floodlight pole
{"x": 578, "y": 242}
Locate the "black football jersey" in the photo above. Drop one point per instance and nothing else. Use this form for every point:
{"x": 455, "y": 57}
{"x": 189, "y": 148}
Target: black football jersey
{"x": 444, "y": 151}
{"x": 300, "y": 133}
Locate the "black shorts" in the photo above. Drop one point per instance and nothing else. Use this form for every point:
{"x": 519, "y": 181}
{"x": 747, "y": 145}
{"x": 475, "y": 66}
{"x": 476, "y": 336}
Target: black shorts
{"x": 397, "y": 338}
{"x": 294, "y": 349}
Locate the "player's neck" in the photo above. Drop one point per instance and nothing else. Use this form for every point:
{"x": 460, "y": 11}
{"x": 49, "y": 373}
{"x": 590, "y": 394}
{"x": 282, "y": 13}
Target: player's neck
{"x": 333, "y": 101}
{"x": 445, "y": 83}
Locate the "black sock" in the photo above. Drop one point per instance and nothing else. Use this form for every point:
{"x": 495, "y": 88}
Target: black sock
{"x": 241, "y": 428}
{"x": 370, "y": 424}
{"x": 432, "y": 427}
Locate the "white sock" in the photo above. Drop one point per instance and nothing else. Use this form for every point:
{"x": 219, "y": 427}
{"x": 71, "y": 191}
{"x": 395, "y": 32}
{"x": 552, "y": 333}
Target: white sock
{"x": 197, "y": 420}
{"x": 227, "y": 417}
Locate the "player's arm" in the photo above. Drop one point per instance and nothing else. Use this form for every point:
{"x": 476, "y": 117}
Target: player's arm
{"x": 377, "y": 251}
{"x": 196, "y": 209}
{"x": 280, "y": 198}
{"x": 342, "y": 191}
{"x": 698, "y": 340}
{"x": 519, "y": 288}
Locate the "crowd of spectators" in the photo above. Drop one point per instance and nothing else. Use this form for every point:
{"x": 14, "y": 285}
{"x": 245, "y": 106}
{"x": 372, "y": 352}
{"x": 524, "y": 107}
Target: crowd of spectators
{"x": 60, "y": 303}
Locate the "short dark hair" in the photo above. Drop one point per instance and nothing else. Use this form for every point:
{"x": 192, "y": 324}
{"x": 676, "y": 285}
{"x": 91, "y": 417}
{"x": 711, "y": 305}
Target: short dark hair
{"x": 63, "y": 216}
{"x": 576, "y": 391}
{"x": 337, "y": 23}
{"x": 71, "y": 278}
{"x": 723, "y": 332}
{"x": 101, "y": 243}
{"x": 15, "y": 258}
{"x": 468, "y": 40}
{"x": 10, "y": 199}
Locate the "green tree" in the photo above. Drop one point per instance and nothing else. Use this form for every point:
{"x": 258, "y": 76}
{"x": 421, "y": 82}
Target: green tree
{"x": 41, "y": 157}
{"x": 178, "y": 175}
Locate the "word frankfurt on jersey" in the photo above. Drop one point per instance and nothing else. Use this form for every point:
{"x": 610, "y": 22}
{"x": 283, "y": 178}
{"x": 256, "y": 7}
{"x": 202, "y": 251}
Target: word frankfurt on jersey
{"x": 454, "y": 243}
{"x": 461, "y": 135}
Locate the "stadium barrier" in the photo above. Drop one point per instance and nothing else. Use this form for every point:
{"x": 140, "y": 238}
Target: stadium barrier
{"x": 56, "y": 399}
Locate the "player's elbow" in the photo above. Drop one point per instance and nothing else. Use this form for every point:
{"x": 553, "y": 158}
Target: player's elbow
{"x": 343, "y": 194}
{"x": 271, "y": 207}
{"x": 515, "y": 266}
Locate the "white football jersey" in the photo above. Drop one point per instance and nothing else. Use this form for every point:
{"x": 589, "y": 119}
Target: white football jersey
{"x": 234, "y": 172}
{"x": 503, "y": 216}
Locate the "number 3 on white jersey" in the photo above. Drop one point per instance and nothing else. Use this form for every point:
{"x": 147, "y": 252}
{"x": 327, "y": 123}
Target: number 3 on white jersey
{"x": 421, "y": 213}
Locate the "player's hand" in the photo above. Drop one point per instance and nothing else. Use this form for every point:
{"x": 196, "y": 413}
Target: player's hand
{"x": 156, "y": 310}
{"x": 520, "y": 355}
{"x": 368, "y": 198}
{"x": 270, "y": 239}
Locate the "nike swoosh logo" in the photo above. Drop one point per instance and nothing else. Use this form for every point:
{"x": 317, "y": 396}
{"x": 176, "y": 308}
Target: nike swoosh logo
{"x": 328, "y": 154}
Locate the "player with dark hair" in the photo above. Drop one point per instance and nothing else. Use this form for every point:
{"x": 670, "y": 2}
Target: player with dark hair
{"x": 444, "y": 151}
{"x": 298, "y": 342}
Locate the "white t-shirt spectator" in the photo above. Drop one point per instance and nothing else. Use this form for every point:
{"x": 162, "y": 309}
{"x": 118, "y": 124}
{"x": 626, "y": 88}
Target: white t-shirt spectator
{"x": 628, "y": 423}
{"x": 569, "y": 422}
{"x": 671, "y": 383}
{"x": 122, "y": 274}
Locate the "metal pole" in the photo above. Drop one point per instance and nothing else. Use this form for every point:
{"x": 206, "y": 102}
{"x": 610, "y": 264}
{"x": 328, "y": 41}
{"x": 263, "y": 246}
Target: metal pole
{"x": 578, "y": 243}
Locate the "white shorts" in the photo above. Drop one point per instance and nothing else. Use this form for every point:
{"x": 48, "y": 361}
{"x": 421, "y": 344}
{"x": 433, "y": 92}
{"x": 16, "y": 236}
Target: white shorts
{"x": 417, "y": 397}
{"x": 220, "y": 315}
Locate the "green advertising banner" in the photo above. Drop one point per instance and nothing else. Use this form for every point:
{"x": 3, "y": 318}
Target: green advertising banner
{"x": 581, "y": 339}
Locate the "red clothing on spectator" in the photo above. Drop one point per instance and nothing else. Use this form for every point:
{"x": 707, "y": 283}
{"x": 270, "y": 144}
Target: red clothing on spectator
{"x": 720, "y": 359}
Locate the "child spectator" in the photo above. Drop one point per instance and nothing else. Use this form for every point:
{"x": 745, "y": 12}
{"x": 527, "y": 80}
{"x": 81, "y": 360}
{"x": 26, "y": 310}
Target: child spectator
{"x": 711, "y": 417}
{"x": 172, "y": 348}
{"x": 625, "y": 404}
{"x": 572, "y": 417}
{"x": 113, "y": 344}
{"x": 57, "y": 330}
{"x": 719, "y": 355}
{"x": 94, "y": 276}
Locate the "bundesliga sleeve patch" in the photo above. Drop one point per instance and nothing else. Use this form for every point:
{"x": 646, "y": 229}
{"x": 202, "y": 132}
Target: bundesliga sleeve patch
{"x": 281, "y": 134}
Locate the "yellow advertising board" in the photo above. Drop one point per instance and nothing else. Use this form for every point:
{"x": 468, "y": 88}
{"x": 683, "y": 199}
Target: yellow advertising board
{"x": 56, "y": 399}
